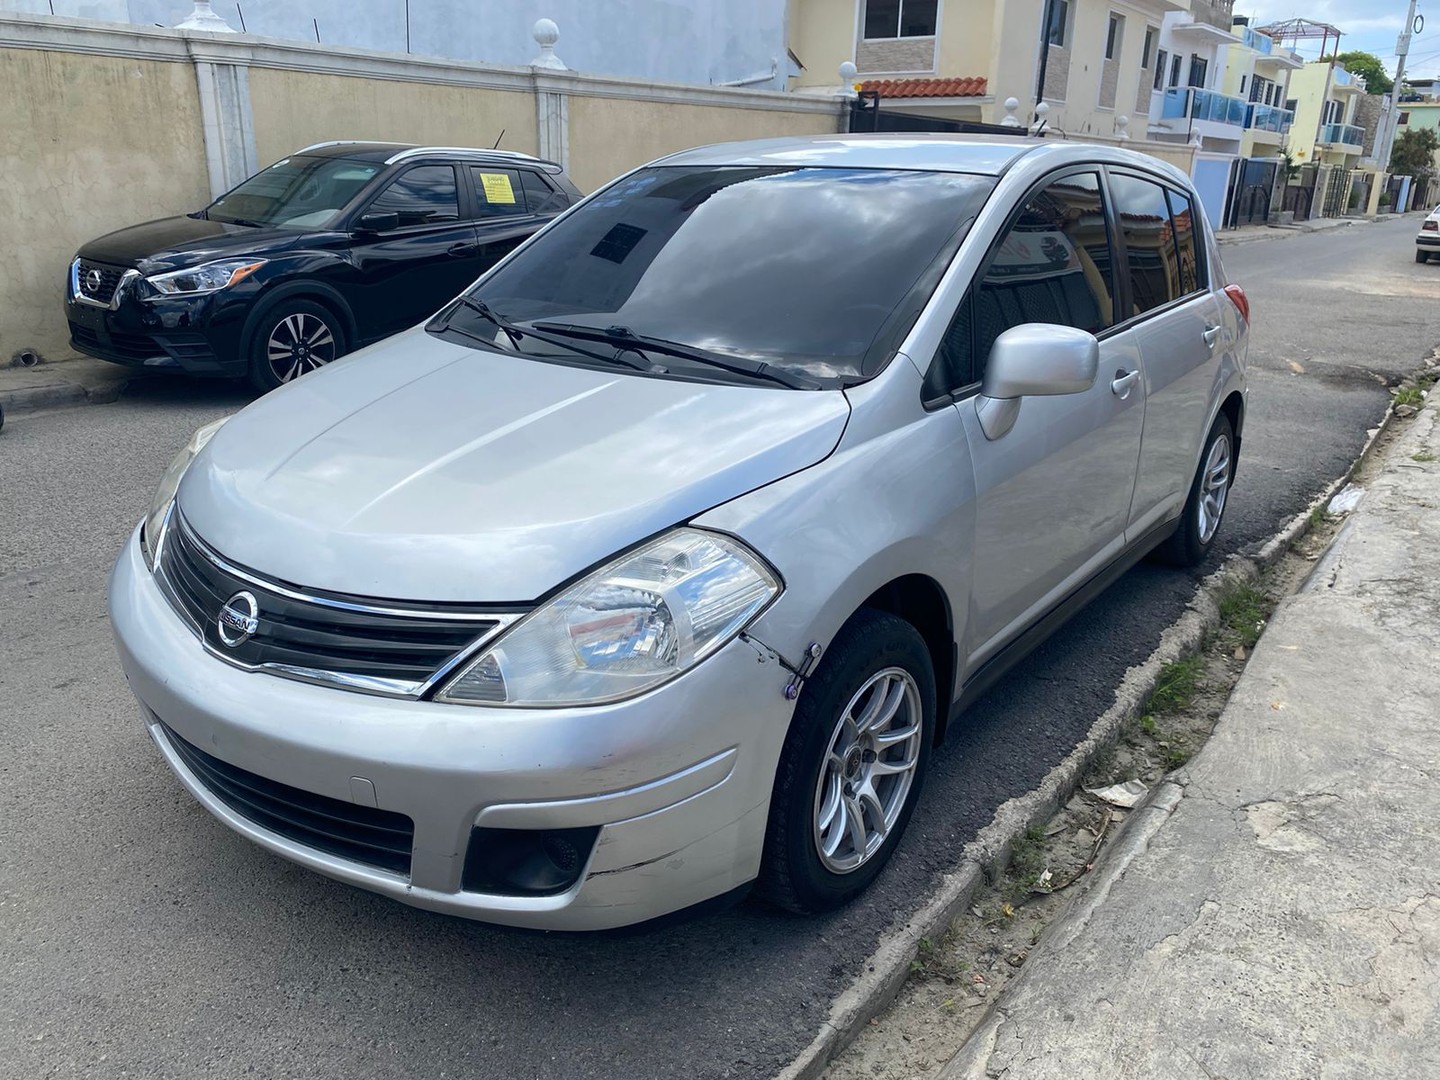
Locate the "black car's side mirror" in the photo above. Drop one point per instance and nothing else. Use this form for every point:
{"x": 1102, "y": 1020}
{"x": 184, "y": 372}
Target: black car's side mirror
{"x": 378, "y": 222}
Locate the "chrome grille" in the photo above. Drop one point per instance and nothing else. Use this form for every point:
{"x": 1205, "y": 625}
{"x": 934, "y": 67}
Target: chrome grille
{"x": 97, "y": 282}
{"x": 317, "y": 637}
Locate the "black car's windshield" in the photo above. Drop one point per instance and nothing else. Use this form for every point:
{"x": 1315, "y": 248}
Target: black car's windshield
{"x": 804, "y": 269}
{"x": 297, "y": 193}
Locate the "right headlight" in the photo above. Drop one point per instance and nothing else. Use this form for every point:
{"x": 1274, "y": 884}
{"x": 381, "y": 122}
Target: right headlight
{"x": 633, "y": 624}
{"x": 207, "y": 278}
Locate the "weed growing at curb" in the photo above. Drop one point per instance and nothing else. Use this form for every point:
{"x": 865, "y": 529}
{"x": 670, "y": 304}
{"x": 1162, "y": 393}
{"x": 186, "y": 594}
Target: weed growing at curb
{"x": 1409, "y": 395}
{"x": 1423, "y": 455}
{"x": 1244, "y": 608}
{"x": 1179, "y": 682}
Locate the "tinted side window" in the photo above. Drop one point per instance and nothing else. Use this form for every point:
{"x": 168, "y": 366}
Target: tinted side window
{"x": 1053, "y": 266}
{"x": 1149, "y": 242}
{"x": 1187, "y": 239}
{"x": 540, "y": 197}
{"x": 497, "y": 192}
{"x": 422, "y": 196}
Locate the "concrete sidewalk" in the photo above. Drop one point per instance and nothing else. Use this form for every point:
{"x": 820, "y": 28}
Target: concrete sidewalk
{"x": 1275, "y": 910}
{"x": 1246, "y": 233}
{"x": 69, "y": 380}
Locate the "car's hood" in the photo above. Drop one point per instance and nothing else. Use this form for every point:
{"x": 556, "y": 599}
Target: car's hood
{"x": 177, "y": 242}
{"x": 424, "y": 470}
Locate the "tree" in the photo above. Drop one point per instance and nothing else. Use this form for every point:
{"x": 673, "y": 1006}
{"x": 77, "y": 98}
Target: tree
{"x": 1414, "y": 153}
{"x": 1368, "y": 67}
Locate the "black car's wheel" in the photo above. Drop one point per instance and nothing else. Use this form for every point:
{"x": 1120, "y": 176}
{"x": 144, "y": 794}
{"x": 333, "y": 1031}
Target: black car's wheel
{"x": 292, "y": 338}
{"x": 1422, "y": 256}
{"x": 1210, "y": 491}
{"x": 852, "y": 767}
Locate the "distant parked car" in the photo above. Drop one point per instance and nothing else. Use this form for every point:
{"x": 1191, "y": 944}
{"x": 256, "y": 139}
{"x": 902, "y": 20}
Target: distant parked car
{"x": 657, "y": 563}
{"x": 336, "y": 246}
{"x": 1427, "y": 243}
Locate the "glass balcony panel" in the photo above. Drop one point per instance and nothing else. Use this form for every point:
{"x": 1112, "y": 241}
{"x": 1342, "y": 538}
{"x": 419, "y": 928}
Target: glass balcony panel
{"x": 1342, "y": 135}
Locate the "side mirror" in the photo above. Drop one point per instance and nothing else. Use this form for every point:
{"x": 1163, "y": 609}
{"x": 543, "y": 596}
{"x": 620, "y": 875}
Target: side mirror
{"x": 1034, "y": 360}
{"x": 378, "y": 222}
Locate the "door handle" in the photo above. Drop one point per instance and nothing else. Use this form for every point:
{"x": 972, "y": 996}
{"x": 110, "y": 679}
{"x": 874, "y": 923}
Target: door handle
{"x": 461, "y": 250}
{"x": 1123, "y": 381}
{"x": 1210, "y": 335}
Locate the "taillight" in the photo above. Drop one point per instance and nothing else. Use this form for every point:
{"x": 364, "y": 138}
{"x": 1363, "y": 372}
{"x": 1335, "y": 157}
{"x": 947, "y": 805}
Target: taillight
{"x": 1240, "y": 300}
{"x": 1430, "y": 226}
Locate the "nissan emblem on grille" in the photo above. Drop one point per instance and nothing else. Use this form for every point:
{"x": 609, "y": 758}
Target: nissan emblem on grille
{"x": 238, "y": 621}
{"x": 93, "y": 281}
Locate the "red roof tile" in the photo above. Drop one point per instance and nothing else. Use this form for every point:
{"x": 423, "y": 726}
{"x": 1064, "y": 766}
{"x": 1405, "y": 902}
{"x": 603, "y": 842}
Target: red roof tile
{"x": 926, "y": 88}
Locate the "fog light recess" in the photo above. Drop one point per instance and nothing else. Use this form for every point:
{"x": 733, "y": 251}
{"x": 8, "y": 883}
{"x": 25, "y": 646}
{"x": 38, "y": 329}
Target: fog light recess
{"x": 526, "y": 862}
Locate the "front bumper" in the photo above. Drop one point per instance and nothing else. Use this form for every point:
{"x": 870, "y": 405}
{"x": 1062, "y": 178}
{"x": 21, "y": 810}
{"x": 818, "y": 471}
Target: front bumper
{"x": 199, "y": 334}
{"x": 678, "y": 781}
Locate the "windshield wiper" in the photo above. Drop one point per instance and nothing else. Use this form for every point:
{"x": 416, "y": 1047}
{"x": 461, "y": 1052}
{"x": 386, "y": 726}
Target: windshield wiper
{"x": 516, "y": 334}
{"x": 625, "y": 338}
{"x": 240, "y": 221}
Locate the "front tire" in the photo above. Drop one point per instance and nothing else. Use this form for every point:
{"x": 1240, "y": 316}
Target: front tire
{"x": 853, "y": 765}
{"x": 291, "y": 339}
{"x": 1209, "y": 495}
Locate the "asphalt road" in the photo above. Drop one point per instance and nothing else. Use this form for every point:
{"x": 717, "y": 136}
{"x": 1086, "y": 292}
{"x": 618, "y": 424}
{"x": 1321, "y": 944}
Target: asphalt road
{"x": 138, "y": 937}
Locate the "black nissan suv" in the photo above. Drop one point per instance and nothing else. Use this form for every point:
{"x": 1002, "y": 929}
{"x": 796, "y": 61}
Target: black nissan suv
{"x": 334, "y": 247}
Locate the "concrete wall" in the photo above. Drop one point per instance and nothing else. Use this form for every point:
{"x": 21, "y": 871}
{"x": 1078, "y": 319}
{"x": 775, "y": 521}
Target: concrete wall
{"x": 297, "y": 108}
{"x": 609, "y": 136}
{"x": 106, "y": 125}
{"x": 688, "y": 41}
{"x": 88, "y": 144}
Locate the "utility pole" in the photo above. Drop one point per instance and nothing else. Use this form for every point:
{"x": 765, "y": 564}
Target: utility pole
{"x": 1402, "y": 50}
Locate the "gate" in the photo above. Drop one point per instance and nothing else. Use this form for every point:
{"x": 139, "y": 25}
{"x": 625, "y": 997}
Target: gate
{"x": 1299, "y": 196}
{"x": 1250, "y": 201}
{"x": 1336, "y": 184}
{"x": 866, "y": 115}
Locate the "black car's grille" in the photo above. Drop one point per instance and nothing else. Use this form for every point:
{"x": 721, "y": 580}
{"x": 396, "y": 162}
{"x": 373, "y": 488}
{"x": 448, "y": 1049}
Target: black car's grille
{"x": 97, "y": 281}
{"x": 343, "y": 640}
{"x": 362, "y": 834}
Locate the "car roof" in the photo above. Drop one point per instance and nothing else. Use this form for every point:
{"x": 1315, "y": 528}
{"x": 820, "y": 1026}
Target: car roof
{"x": 987, "y": 155}
{"x": 389, "y": 153}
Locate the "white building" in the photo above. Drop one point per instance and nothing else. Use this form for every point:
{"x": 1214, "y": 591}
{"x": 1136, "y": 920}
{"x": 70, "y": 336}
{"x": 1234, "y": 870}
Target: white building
{"x": 684, "y": 41}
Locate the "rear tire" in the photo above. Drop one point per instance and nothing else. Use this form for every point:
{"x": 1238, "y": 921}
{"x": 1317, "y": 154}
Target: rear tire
{"x": 1209, "y": 495}
{"x": 1422, "y": 256}
{"x": 291, "y": 339}
{"x": 853, "y": 765}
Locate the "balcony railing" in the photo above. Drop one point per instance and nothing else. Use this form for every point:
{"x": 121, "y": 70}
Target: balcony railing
{"x": 1343, "y": 135}
{"x": 1269, "y": 118}
{"x": 1343, "y": 77}
{"x": 1196, "y": 104}
{"x": 1253, "y": 39}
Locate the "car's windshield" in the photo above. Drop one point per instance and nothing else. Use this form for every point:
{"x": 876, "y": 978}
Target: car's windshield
{"x": 297, "y": 193}
{"x": 805, "y": 269}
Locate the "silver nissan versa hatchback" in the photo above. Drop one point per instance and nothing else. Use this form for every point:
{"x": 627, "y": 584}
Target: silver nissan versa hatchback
{"x": 656, "y": 563}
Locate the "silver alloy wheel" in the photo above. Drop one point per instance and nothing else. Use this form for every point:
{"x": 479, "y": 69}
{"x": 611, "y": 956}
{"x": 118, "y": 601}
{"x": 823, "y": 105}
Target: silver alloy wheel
{"x": 299, "y": 343}
{"x": 1214, "y": 488}
{"x": 869, "y": 770}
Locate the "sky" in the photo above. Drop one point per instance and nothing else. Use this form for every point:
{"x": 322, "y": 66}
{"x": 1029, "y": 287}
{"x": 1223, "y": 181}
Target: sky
{"x": 1369, "y": 25}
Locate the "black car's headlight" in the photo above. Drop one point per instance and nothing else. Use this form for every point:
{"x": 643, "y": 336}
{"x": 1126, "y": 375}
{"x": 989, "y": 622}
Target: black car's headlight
{"x": 207, "y": 278}
{"x": 631, "y": 625}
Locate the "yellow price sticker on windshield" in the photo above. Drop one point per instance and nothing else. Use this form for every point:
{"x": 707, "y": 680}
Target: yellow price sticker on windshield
{"x": 497, "y": 187}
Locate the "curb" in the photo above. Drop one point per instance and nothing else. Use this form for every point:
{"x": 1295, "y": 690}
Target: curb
{"x": 985, "y": 857}
{"x": 52, "y": 395}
